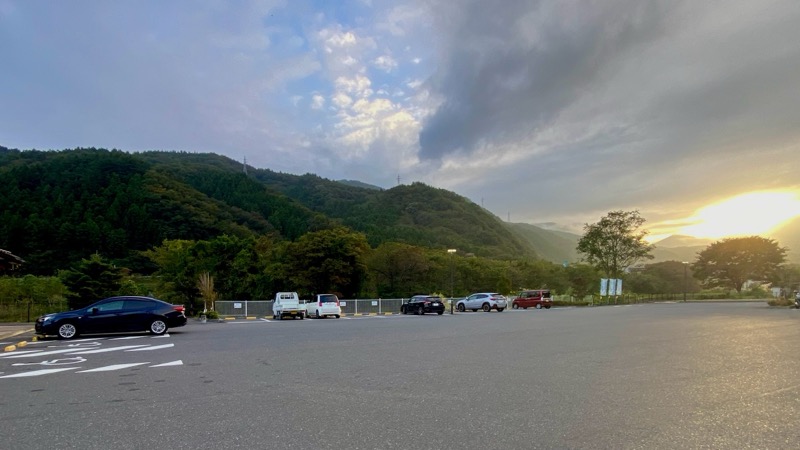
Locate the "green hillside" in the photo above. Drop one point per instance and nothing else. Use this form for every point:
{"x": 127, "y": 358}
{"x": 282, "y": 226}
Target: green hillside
{"x": 61, "y": 206}
{"x": 555, "y": 246}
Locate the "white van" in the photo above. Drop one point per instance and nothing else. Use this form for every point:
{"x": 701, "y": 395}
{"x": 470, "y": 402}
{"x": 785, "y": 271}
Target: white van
{"x": 324, "y": 305}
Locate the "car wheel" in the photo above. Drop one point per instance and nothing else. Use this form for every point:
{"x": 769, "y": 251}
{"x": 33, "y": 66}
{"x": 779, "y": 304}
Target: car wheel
{"x": 301, "y": 316}
{"x": 486, "y": 307}
{"x": 421, "y": 311}
{"x": 67, "y": 331}
{"x": 460, "y": 307}
{"x": 158, "y": 327}
{"x": 337, "y": 316}
{"x": 515, "y": 305}
{"x": 317, "y": 315}
{"x": 403, "y": 310}
{"x": 440, "y": 313}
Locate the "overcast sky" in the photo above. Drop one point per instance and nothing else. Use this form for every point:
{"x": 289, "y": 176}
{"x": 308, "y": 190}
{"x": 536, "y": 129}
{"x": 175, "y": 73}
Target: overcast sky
{"x": 541, "y": 111}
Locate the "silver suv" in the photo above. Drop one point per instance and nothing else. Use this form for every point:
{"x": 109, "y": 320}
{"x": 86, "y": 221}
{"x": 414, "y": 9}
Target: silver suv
{"x": 486, "y": 301}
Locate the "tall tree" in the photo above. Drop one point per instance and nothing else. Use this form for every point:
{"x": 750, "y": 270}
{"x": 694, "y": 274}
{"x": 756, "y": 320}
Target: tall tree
{"x": 733, "y": 261}
{"x": 398, "y": 269}
{"x": 92, "y": 280}
{"x": 614, "y": 243}
{"x": 329, "y": 261}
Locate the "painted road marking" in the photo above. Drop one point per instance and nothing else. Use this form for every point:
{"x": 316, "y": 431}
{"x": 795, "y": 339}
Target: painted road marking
{"x": 114, "y": 367}
{"x": 154, "y": 347}
{"x": 36, "y": 373}
{"x": 106, "y": 350}
{"x": 173, "y": 363}
{"x": 45, "y": 353}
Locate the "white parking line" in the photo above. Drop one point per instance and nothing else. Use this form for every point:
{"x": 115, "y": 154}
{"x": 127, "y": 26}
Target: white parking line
{"x": 173, "y": 363}
{"x": 106, "y": 350}
{"x": 36, "y": 373}
{"x": 114, "y": 367}
{"x": 50, "y": 352}
{"x": 154, "y": 347}
{"x": 21, "y": 352}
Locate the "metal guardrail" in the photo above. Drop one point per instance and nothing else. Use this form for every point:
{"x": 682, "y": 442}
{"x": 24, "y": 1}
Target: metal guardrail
{"x": 263, "y": 308}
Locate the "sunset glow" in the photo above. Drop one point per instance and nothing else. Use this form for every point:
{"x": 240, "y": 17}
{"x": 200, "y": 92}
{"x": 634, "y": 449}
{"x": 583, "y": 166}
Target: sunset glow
{"x": 754, "y": 213}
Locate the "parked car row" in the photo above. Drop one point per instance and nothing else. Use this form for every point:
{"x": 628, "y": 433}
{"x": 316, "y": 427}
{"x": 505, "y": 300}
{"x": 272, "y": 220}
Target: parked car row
{"x": 135, "y": 313}
{"x": 288, "y": 304}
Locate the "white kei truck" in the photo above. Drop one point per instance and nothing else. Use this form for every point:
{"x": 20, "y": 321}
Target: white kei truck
{"x": 287, "y": 304}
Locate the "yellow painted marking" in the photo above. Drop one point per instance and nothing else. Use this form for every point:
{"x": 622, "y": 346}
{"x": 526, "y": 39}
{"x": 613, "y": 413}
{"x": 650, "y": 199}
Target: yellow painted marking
{"x": 10, "y": 348}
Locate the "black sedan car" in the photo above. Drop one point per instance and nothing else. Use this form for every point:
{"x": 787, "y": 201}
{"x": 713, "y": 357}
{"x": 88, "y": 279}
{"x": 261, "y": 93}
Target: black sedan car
{"x": 421, "y": 304}
{"x": 112, "y": 315}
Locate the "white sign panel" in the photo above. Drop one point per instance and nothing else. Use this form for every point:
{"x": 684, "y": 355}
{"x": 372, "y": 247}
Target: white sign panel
{"x": 603, "y": 287}
{"x": 612, "y": 286}
{"x": 237, "y": 306}
{"x": 342, "y": 303}
{"x": 374, "y": 303}
{"x": 619, "y": 287}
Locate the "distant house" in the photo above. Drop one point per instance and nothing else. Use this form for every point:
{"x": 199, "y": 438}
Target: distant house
{"x": 9, "y": 261}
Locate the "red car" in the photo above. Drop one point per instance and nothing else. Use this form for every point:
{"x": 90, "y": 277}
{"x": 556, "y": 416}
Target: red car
{"x": 538, "y": 299}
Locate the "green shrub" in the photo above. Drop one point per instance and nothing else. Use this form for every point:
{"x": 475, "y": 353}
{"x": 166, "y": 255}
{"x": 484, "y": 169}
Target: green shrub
{"x": 781, "y": 302}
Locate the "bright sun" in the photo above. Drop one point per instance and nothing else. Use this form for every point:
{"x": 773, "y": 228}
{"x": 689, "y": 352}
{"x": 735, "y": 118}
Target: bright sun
{"x": 749, "y": 214}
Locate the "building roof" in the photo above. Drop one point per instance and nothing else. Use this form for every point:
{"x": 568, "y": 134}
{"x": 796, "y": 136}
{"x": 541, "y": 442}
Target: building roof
{"x": 9, "y": 261}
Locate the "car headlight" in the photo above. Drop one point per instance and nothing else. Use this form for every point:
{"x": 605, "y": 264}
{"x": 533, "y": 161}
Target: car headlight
{"x": 47, "y": 320}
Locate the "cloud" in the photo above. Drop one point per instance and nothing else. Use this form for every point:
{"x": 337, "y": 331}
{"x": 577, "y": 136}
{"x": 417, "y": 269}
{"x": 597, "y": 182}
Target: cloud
{"x": 385, "y": 63}
{"x": 616, "y": 104}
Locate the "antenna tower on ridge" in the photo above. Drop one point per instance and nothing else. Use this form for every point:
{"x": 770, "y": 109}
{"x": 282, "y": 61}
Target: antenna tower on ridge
{"x": 244, "y": 165}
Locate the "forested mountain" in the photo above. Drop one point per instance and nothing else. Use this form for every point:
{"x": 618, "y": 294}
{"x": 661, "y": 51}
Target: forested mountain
{"x": 61, "y": 206}
{"x": 555, "y": 246}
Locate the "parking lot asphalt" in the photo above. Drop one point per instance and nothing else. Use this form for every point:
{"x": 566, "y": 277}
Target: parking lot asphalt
{"x": 12, "y": 330}
{"x": 645, "y": 376}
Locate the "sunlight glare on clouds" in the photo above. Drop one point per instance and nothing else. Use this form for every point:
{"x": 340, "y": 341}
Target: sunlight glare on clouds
{"x": 753, "y": 213}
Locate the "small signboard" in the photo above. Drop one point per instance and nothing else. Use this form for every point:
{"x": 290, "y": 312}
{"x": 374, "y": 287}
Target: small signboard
{"x": 603, "y": 287}
{"x": 237, "y": 306}
{"x": 374, "y": 303}
{"x": 342, "y": 303}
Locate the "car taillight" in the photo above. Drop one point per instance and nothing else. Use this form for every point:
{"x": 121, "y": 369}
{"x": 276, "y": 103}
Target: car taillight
{"x": 179, "y": 308}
